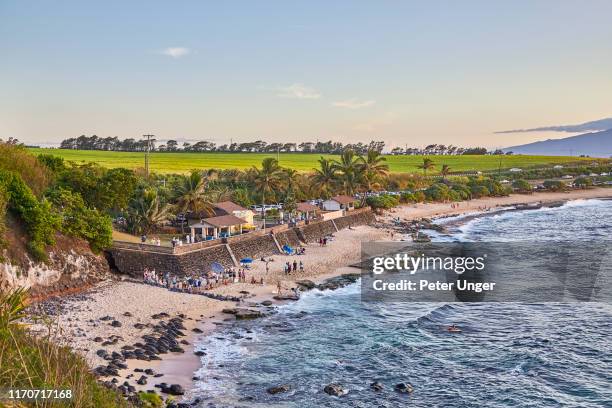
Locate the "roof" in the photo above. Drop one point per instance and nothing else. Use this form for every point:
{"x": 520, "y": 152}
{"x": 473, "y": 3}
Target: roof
{"x": 223, "y": 221}
{"x": 306, "y": 207}
{"x": 343, "y": 199}
{"x": 229, "y": 206}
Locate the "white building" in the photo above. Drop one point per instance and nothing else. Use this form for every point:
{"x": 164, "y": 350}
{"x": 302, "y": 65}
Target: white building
{"x": 340, "y": 202}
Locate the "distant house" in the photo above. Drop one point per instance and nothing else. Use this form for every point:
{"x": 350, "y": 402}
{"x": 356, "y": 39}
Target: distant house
{"x": 515, "y": 170}
{"x": 557, "y": 167}
{"x": 306, "y": 211}
{"x": 218, "y": 227}
{"x": 230, "y": 208}
{"x": 340, "y": 202}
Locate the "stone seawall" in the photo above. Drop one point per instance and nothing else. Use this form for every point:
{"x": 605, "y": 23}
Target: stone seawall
{"x": 133, "y": 260}
{"x": 254, "y": 247}
{"x": 289, "y": 237}
{"x": 314, "y": 231}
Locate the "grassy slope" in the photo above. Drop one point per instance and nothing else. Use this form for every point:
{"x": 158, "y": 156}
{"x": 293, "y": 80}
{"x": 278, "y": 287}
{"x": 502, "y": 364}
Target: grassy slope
{"x": 183, "y": 162}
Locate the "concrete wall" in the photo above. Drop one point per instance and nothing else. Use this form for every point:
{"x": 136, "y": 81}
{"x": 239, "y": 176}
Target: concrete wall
{"x": 195, "y": 259}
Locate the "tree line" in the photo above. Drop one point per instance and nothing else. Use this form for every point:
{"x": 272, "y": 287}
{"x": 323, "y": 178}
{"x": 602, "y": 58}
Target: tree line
{"x": 135, "y": 145}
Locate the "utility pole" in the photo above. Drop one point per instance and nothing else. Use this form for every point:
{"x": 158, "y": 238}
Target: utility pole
{"x": 147, "y": 150}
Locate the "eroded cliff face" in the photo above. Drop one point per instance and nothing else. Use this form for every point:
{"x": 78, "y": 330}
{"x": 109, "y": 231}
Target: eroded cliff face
{"x": 71, "y": 266}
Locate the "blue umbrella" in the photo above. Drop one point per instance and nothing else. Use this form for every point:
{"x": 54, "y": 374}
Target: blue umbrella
{"x": 216, "y": 267}
{"x": 246, "y": 260}
{"x": 287, "y": 249}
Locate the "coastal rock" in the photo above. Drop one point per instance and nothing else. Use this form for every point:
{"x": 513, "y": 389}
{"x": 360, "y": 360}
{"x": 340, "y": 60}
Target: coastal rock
{"x": 243, "y": 314}
{"x": 334, "y": 389}
{"x": 174, "y": 389}
{"x": 404, "y": 388}
{"x": 278, "y": 389}
{"x": 306, "y": 284}
{"x": 267, "y": 303}
{"x": 376, "y": 386}
{"x": 197, "y": 330}
{"x": 229, "y": 311}
{"x": 116, "y": 323}
{"x": 142, "y": 380}
{"x": 199, "y": 353}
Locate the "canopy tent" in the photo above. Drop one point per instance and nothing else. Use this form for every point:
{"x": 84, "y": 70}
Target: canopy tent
{"x": 246, "y": 260}
{"x": 287, "y": 249}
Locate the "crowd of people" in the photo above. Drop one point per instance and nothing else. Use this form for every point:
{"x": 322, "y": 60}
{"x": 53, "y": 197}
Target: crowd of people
{"x": 196, "y": 284}
{"x": 293, "y": 267}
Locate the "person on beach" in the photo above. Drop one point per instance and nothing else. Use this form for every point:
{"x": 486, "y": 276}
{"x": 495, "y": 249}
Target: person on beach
{"x": 301, "y": 266}
{"x": 267, "y": 267}
{"x": 278, "y": 287}
{"x": 295, "y": 265}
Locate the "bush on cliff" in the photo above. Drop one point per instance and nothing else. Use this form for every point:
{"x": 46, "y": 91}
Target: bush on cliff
{"x": 41, "y": 223}
{"x": 28, "y": 362}
{"x": 80, "y": 221}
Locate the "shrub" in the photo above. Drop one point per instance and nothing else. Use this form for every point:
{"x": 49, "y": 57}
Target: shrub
{"x": 522, "y": 186}
{"x": 437, "y": 192}
{"x": 80, "y": 221}
{"x": 41, "y": 223}
{"x": 554, "y": 185}
{"x": 583, "y": 182}
{"x": 384, "y": 201}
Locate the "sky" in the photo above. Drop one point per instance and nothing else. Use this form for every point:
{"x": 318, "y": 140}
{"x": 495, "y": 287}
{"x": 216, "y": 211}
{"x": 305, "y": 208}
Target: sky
{"x": 406, "y": 72}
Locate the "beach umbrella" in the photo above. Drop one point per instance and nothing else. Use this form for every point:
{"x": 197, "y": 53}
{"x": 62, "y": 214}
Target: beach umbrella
{"x": 216, "y": 267}
{"x": 246, "y": 260}
{"x": 287, "y": 249}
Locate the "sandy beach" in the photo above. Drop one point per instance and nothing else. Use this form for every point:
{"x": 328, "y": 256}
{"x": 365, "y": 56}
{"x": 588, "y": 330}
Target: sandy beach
{"x": 86, "y": 322}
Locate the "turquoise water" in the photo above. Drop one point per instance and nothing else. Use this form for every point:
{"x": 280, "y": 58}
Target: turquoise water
{"x": 508, "y": 355}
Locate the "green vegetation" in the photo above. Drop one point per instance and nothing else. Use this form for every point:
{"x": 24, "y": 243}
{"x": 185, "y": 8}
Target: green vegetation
{"x": 48, "y": 197}
{"x": 34, "y": 362}
{"x": 177, "y": 162}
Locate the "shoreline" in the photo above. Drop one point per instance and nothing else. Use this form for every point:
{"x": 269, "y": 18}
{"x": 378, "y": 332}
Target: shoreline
{"x": 80, "y": 321}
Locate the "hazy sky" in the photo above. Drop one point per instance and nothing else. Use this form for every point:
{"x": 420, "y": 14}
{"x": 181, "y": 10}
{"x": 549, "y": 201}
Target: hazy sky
{"x": 407, "y": 72}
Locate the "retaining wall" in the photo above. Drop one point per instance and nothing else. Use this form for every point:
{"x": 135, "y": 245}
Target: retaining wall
{"x": 132, "y": 259}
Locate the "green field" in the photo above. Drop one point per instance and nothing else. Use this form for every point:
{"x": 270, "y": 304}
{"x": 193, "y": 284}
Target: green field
{"x": 184, "y": 162}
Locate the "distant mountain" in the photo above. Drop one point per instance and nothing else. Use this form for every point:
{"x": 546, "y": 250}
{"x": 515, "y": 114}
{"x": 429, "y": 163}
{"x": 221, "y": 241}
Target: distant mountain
{"x": 593, "y": 126}
{"x": 597, "y": 144}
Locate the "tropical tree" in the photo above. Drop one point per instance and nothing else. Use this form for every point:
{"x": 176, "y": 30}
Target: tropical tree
{"x": 350, "y": 171}
{"x": 290, "y": 180}
{"x": 324, "y": 179}
{"x": 191, "y": 194}
{"x": 146, "y": 212}
{"x": 428, "y": 164}
{"x": 267, "y": 180}
{"x": 374, "y": 169}
{"x": 445, "y": 171}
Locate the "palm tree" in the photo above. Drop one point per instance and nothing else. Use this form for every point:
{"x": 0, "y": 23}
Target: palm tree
{"x": 374, "y": 169}
{"x": 351, "y": 173}
{"x": 428, "y": 164}
{"x": 324, "y": 178}
{"x": 445, "y": 171}
{"x": 147, "y": 212}
{"x": 290, "y": 180}
{"x": 192, "y": 196}
{"x": 267, "y": 180}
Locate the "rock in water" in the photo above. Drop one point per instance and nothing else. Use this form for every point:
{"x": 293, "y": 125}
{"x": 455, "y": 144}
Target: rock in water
{"x": 306, "y": 284}
{"x": 334, "y": 389}
{"x": 242, "y": 314}
{"x": 376, "y": 386}
{"x": 404, "y": 388}
{"x": 278, "y": 389}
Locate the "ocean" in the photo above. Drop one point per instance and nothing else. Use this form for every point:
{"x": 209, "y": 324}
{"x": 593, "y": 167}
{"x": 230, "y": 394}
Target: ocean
{"x": 508, "y": 354}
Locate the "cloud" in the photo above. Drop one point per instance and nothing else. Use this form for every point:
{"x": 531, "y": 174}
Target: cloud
{"x": 298, "y": 91}
{"x": 596, "y": 125}
{"x": 176, "y": 52}
{"x": 353, "y": 104}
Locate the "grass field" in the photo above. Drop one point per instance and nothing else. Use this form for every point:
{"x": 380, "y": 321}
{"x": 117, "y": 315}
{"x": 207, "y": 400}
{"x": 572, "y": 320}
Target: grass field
{"x": 184, "y": 162}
